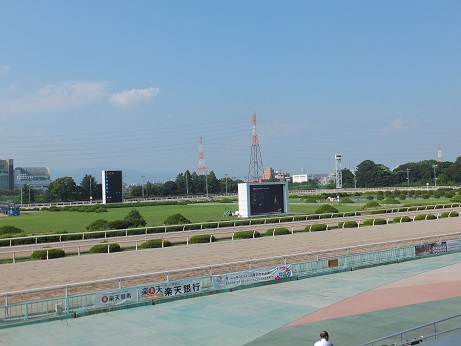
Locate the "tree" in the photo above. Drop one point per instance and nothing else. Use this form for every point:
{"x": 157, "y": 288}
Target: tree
{"x": 370, "y": 174}
{"x": 169, "y": 188}
{"x": 89, "y": 187}
{"x": 213, "y": 183}
{"x": 63, "y": 189}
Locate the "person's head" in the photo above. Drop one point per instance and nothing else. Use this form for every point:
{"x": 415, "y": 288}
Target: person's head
{"x": 324, "y": 335}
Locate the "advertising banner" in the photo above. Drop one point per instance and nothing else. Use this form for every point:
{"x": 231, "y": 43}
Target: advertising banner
{"x": 436, "y": 248}
{"x": 248, "y": 277}
{"x": 116, "y": 297}
{"x": 170, "y": 289}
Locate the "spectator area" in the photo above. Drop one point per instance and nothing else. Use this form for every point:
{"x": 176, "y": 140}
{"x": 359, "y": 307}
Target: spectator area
{"x": 355, "y": 307}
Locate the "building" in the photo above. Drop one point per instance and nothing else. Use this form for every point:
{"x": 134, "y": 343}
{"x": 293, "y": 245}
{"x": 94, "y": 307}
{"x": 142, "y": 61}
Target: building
{"x": 300, "y": 178}
{"x": 36, "y": 177}
{"x": 6, "y": 175}
{"x": 268, "y": 174}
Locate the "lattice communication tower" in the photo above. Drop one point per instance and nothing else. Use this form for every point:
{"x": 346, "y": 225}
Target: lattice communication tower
{"x": 439, "y": 153}
{"x": 256, "y": 169}
{"x": 201, "y": 170}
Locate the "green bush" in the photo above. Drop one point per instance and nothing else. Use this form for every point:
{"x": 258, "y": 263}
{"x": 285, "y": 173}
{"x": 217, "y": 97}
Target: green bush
{"x": 456, "y": 199}
{"x": 402, "y": 196}
{"x": 176, "y": 219}
{"x": 326, "y": 209}
{"x": 370, "y": 197}
{"x": 10, "y": 230}
{"x": 425, "y": 217}
{"x": 378, "y": 221}
{"x": 119, "y": 224}
{"x": 309, "y": 200}
{"x": 101, "y": 210}
{"x": 52, "y": 253}
{"x": 316, "y": 227}
{"x": 155, "y": 243}
{"x": 202, "y": 238}
{"x": 346, "y": 200}
{"x": 98, "y": 225}
{"x": 277, "y": 231}
{"x": 391, "y": 201}
{"x": 102, "y": 248}
{"x": 371, "y": 205}
{"x": 246, "y": 234}
{"x": 449, "y": 214}
{"x": 53, "y": 208}
{"x": 399, "y": 219}
{"x": 135, "y": 219}
{"x": 348, "y": 224}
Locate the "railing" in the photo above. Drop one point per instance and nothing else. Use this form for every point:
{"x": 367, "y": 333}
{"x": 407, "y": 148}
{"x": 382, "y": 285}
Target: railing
{"x": 212, "y": 226}
{"x": 426, "y": 332}
{"x": 67, "y": 305}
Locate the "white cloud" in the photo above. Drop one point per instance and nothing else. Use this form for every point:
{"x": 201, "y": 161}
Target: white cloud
{"x": 133, "y": 96}
{"x": 4, "y": 69}
{"x": 66, "y": 95}
{"x": 398, "y": 126}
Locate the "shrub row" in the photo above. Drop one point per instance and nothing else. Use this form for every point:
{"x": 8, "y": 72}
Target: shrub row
{"x": 246, "y": 234}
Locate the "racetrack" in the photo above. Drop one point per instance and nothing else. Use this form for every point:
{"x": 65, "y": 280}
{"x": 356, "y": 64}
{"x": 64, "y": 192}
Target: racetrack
{"x": 36, "y": 274}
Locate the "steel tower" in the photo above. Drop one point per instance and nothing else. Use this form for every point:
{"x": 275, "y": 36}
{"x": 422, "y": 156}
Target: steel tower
{"x": 201, "y": 170}
{"x": 439, "y": 153}
{"x": 255, "y": 170}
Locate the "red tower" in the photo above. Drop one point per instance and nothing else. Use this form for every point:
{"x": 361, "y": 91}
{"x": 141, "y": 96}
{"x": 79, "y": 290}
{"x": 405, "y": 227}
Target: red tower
{"x": 439, "y": 153}
{"x": 255, "y": 170}
{"x": 201, "y": 170}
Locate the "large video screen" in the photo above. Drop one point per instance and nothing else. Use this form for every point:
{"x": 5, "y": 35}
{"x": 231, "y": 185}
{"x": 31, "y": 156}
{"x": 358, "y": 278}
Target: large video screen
{"x": 267, "y": 199}
{"x": 113, "y": 187}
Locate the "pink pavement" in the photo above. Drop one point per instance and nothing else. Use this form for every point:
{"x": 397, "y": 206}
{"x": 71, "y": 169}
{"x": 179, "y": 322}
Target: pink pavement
{"x": 442, "y": 283}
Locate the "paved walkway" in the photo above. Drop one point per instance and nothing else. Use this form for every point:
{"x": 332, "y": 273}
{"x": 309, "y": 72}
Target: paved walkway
{"x": 354, "y": 307}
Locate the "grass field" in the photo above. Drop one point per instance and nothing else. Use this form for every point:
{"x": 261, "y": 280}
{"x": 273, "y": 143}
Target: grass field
{"x": 46, "y": 222}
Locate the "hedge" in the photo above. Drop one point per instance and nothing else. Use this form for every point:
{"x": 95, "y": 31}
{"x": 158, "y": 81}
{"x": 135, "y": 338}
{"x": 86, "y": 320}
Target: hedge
{"x": 371, "y": 204}
{"x": 348, "y": 224}
{"x": 316, "y": 227}
{"x": 277, "y": 231}
{"x": 246, "y": 234}
{"x": 371, "y": 222}
{"x": 202, "y": 238}
{"x": 326, "y": 209}
{"x": 399, "y": 219}
{"x": 425, "y": 217}
{"x": 10, "y": 230}
{"x": 52, "y": 253}
{"x": 102, "y": 248}
{"x": 450, "y": 214}
{"x": 155, "y": 243}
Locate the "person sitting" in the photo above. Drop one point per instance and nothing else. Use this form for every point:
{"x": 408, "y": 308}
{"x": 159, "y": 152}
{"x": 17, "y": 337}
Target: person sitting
{"x": 323, "y": 339}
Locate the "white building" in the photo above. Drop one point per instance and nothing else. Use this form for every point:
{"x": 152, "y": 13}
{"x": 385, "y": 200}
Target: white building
{"x": 300, "y": 178}
{"x": 36, "y": 177}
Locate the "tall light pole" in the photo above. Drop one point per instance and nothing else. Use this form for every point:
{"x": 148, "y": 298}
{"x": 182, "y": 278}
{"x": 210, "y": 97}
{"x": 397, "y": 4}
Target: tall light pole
{"x": 408, "y": 176}
{"x": 435, "y": 177}
{"x": 226, "y": 181}
{"x": 142, "y": 186}
{"x": 91, "y": 197}
{"x": 354, "y": 172}
{"x": 21, "y": 177}
{"x": 187, "y": 185}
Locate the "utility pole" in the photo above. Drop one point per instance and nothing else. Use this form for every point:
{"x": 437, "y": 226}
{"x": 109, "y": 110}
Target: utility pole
{"x": 408, "y": 176}
{"x": 187, "y": 185}
{"x": 435, "y": 177}
{"x": 226, "y": 181}
{"x": 142, "y": 186}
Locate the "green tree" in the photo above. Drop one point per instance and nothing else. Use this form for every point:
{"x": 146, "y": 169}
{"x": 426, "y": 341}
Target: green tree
{"x": 370, "y": 174}
{"x": 63, "y": 190}
{"x": 90, "y": 187}
{"x": 213, "y": 183}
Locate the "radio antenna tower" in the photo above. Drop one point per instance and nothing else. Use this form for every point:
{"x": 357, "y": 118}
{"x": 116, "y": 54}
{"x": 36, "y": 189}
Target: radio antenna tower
{"x": 255, "y": 170}
{"x": 201, "y": 170}
{"x": 439, "y": 153}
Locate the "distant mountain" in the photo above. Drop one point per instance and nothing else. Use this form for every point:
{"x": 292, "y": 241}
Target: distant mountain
{"x": 129, "y": 176}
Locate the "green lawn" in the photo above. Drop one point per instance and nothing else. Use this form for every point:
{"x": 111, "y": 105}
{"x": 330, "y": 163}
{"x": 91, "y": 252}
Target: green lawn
{"x": 46, "y": 222}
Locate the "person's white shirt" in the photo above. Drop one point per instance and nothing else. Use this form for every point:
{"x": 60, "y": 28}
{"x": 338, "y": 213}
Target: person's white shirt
{"x": 323, "y": 342}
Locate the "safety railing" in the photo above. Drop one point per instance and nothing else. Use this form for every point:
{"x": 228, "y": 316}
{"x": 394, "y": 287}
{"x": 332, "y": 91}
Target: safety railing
{"x": 426, "y": 332}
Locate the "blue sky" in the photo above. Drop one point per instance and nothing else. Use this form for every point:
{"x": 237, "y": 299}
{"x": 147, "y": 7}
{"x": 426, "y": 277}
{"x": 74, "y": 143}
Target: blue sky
{"x": 133, "y": 85}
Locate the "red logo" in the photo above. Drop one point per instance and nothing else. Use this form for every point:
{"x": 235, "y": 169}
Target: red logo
{"x": 151, "y": 290}
{"x": 104, "y": 299}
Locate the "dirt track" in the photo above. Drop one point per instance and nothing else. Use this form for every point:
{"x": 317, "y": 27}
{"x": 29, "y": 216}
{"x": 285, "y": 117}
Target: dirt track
{"x": 35, "y": 274}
